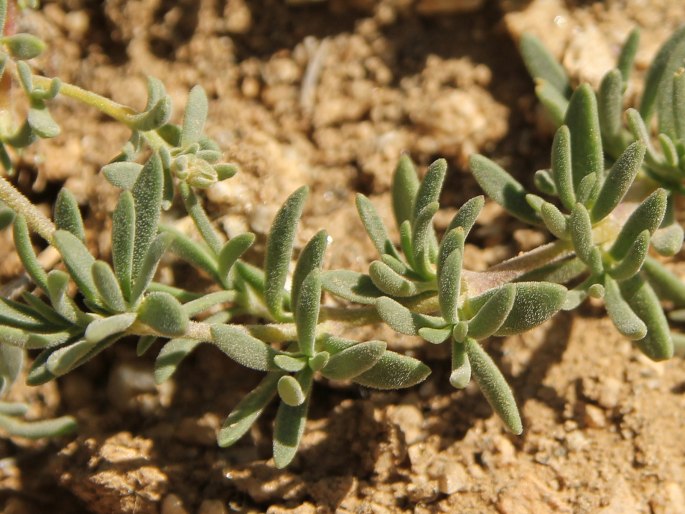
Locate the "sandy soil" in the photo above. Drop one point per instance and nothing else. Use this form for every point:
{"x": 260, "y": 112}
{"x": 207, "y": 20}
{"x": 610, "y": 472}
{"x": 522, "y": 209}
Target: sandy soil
{"x": 329, "y": 94}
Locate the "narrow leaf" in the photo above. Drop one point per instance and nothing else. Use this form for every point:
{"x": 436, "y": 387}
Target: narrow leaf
{"x": 65, "y": 359}
{"x": 668, "y": 241}
{"x": 243, "y": 348}
{"x": 632, "y": 262}
{"x": 163, "y": 313}
{"x": 243, "y": 416}
{"x": 148, "y": 267}
{"x": 147, "y": 197}
{"x": 580, "y": 227}
{"x": 194, "y": 116}
{"x": 104, "y": 327}
{"x": 231, "y": 252}
{"x": 374, "y": 226}
{"x": 421, "y": 241}
{"x": 618, "y": 181}
{"x": 78, "y": 261}
{"x": 494, "y": 386}
{"x": 647, "y": 216}
{"x": 562, "y": 168}
{"x": 288, "y": 430}
{"x": 405, "y": 185}
{"x": 108, "y": 287}
{"x": 431, "y": 185}
{"x": 22, "y": 243}
{"x": 354, "y": 361}
{"x": 351, "y": 286}
{"x": 657, "y": 344}
{"x": 307, "y": 312}
{"x": 310, "y": 258}
{"x": 68, "y": 215}
{"x": 279, "y": 248}
{"x": 610, "y": 105}
{"x": 171, "y": 355}
{"x": 623, "y": 317}
{"x": 467, "y": 215}
{"x": 449, "y": 286}
{"x": 555, "y": 103}
{"x": 627, "y": 55}
{"x": 402, "y": 320}
{"x": 461, "y": 366}
{"x": 393, "y": 284}
{"x": 554, "y": 220}
{"x": 586, "y": 140}
{"x": 493, "y": 314}
{"x": 123, "y": 237}
{"x": 502, "y": 188}
{"x": 666, "y": 283}
{"x": 435, "y": 335}
{"x": 394, "y": 371}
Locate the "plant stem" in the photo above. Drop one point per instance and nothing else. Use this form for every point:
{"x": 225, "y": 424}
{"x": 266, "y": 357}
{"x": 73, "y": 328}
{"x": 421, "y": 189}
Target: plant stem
{"x": 21, "y": 205}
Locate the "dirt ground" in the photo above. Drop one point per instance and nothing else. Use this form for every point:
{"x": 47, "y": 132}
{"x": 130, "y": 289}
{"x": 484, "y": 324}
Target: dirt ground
{"x": 329, "y": 94}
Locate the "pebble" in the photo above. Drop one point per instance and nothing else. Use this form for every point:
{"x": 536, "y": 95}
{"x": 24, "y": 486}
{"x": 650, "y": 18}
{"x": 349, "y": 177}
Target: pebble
{"x": 410, "y": 420}
{"x": 172, "y": 504}
{"x": 451, "y": 476}
{"x": 126, "y": 382}
{"x": 594, "y": 417}
{"x": 670, "y": 500}
{"x": 212, "y": 507}
{"x": 609, "y": 393}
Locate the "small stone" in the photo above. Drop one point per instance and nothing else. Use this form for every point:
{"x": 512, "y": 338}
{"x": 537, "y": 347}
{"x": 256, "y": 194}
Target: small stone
{"x": 622, "y": 500}
{"x": 212, "y": 507}
{"x": 172, "y": 504}
{"x": 451, "y": 476}
{"x": 201, "y": 432}
{"x": 669, "y": 500}
{"x": 131, "y": 386}
{"x": 575, "y": 441}
{"x": 410, "y": 421}
{"x": 609, "y": 393}
{"x": 593, "y": 416}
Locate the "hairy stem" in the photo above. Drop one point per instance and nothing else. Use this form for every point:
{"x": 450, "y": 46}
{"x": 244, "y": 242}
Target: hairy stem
{"x": 16, "y": 201}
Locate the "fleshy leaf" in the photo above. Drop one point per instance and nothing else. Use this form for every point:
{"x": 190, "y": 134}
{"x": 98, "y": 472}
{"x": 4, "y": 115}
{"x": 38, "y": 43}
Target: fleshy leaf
{"x": 494, "y": 386}
{"x": 78, "y": 261}
{"x": 307, "y": 312}
{"x": 666, "y": 283}
{"x": 562, "y": 167}
{"x": 657, "y": 344}
{"x": 158, "y": 246}
{"x": 618, "y": 181}
{"x": 350, "y": 285}
{"x": 354, "y": 361}
{"x": 394, "y": 371}
{"x": 467, "y": 215}
{"x": 493, "y": 314}
{"x": 405, "y": 185}
{"x": 374, "y": 226}
{"x": 647, "y": 216}
{"x": 668, "y": 241}
{"x": 541, "y": 64}
{"x": 290, "y": 391}
{"x": 108, "y": 286}
{"x": 449, "y": 286}
{"x": 402, "y": 320}
{"x": 163, "y": 313}
{"x": 22, "y": 243}
{"x": 632, "y": 262}
{"x": 147, "y": 196}
{"x": 502, "y": 188}
{"x": 123, "y": 237}
{"x": 171, "y": 355}
{"x": 623, "y": 317}
{"x": 194, "y": 116}
{"x": 104, "y": 327}
{"x": 279, "y": 249}
{"x": 243, "y": 416}
{"x": 243, "y": 348}
{"x": 461, "y": 367}
{"x": 68, "y": 215}
{"x": 310, "y": 258}
{"x": 586, "y": 140}
{"x": 231, "y": 252}
{"x": 431, "y": 185}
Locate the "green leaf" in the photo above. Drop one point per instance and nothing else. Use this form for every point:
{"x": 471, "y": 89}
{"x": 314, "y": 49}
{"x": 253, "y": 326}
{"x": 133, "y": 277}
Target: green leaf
{"x": 586, "y": 140}
{"x": 545, "y": 183}
{"x": 171, "y": 355}
{"x": 394, "y": 264}
{"x": 402, "y": 320}
{"x": 65, "y": 359}
{"x": 461, "y": 367}
{"x": 123, "y": 237}
{"x": 406, "y": 243}
{"x": 543, "y": 65}
{"x": 243, "y": 416}
{"x": 610, "y": 106}
{"x": 57, "y": 427}
{"x": 580, "y": 227}
{"x": 647, "y": 216}
{"x": 102, "y": 328}
{"x": 11, "y": 363}
{"x": 431, "y": 185}
{"x": 632, "y": 262}
{"x": 449, "y": 286}
{"x": 467, "y": 215}
{"x": 657, "y": 344}
{"x": 555, "y": 103}
{"x": 422, "y": 237}
{"x": 24, "y": 46}
{"x": 307, "y": 311}
{"x": 68, "y": 215}
{"x": 193, "y": 206}
{"x": 374, "y": 226}
{"x": 405, "y": 186}
{"x": 108, "y": 287}
{"x": 290, "y": 391}
{"x": 207, "y": 301}
{"x": 231, "y": 252}
{"x": 393, "y": 284}
{"x": 668, "y": 241}
{"x": 310, "y": 258}
{"x": 279, "y": 249}
{"x": 288, "y": 430}
{"x": 435, "y": 335}
{"x": 666, "y": 283}
{"x": 146, "y": 272}
{"x": 494, "y": 386}
{"x": 554, "y": 220}
{"x": 194, "y": 116}
{"x": 394, "y": 371}
{"x": 618, "y": 181}
{"x": 144, "y": 344}
{"x": 78, "y": 261}
{"x": 147, "y": 197}
{"x": 627, "y": 55}
{"x": 192, "y": 252}
{"x": 243, "y": 348}
{"x": 17, "y": 315}
{"x": 154, "y": 117}
{"x": 679, "y": 103}
{"x": 163, "y": 313}
{"x": 492, "y": 315}
{"x": 502, "y": 188}
{"x": 453, "y": 240}
{"x": 122, "y": 174}
{"x": 251, "y": 275}
{"x": 623, "y": 317}
{"x": 350, "y": 285}
{"x": 22, "y": 243}
{"x": 354, "y": 360}
{"x": 289, "y": 363}
{"x": 661, "y": 69}
{"x": 41, "y": 121}
{"x": 318, "y": 361}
